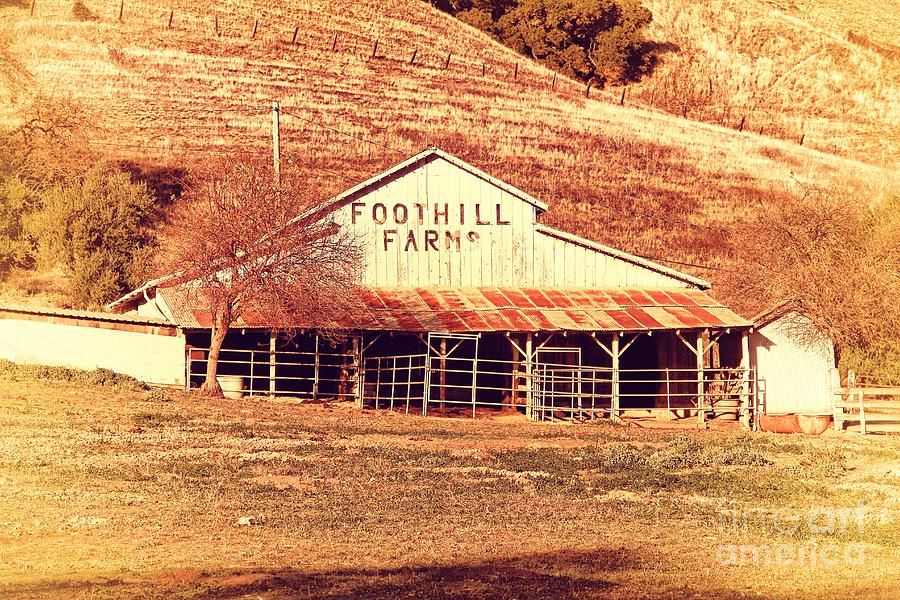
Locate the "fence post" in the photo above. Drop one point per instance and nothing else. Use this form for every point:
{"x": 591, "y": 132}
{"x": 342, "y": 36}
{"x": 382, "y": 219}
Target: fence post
{"x": 121, "y": 9}
{"x": 169, "y": 24}
{"x": 587, "y": 90}
{"x": 413, "y": 59}
{"x": 447, "y": 63}
{"x": 516, "y": 72}
{"x": 334, "y": 43}
{"x": 32, "y": 7}
{"x": 622, "y": 99}
{"x": 374, "y": 49}
{"x": 255, "y": 26}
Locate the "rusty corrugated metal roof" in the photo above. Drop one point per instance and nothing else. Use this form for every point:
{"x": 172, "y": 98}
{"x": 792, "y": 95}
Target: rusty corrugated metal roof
{"x": 464, "y": 309}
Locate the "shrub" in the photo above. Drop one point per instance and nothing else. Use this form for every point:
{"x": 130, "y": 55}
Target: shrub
{"x": 100, "y": 228}
{"x": 81, "y": 12}
{"x": 11, "y": 371}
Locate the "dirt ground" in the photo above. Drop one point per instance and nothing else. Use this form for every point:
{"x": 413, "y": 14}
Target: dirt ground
{"x": 112, "y": 493}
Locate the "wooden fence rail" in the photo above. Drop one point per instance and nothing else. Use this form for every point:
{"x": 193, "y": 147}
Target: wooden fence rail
{"x": 866, "y": 404}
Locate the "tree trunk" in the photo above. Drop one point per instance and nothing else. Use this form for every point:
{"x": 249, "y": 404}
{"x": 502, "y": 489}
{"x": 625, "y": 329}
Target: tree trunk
{"x": 211, "y": 385}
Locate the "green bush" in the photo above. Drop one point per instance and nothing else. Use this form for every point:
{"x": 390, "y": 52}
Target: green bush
{"x": 100, "y": 228}
{"x": 11, "y": 371}
{"x": 593, "y": 40}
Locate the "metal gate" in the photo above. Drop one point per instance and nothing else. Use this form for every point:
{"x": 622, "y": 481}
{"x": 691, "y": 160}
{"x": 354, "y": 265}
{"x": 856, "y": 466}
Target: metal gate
{"x": 452, "y": 369}
{"x": 557, "y": 383}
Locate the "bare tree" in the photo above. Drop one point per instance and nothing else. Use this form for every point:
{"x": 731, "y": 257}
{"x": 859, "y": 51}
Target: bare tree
{"x": 243, "y": 244}
{"x": 836, "y": 257}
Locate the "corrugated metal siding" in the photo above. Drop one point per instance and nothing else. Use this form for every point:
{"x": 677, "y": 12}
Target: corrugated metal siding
{"x": 794, "y": 370}
{"x": 517, "y": 254}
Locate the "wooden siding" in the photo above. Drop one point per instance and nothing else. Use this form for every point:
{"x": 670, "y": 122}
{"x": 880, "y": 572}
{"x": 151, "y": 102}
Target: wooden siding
{"x": 488, "y": 237}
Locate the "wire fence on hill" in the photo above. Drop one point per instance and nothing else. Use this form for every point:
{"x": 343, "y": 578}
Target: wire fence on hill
{"x": 269, "y": 28}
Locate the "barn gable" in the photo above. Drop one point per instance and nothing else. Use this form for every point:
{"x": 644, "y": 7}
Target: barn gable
{"x": 434, "y": 220}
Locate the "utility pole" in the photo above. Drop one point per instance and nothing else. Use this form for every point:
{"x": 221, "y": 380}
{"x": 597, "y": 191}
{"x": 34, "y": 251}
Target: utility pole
{"x": 276, "y": 140}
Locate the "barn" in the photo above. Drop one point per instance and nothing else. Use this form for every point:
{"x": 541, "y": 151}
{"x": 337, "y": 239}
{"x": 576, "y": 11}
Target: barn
{"x": 468, "y": 304}
{"x": 794, "y": 363}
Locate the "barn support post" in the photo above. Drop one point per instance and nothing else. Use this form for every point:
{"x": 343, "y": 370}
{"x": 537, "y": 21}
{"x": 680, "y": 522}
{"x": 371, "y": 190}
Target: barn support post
{"x": 272, "y": 344}
{"x": 746, "y": 388}
{"x": 529, "y": 367}
{"x": 701, "y": 401}
{"x": 614, "y": 402}
{"x": 443, "y": 375}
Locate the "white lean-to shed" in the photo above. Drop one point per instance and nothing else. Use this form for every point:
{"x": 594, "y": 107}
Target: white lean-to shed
{"x": 794, "y": 363}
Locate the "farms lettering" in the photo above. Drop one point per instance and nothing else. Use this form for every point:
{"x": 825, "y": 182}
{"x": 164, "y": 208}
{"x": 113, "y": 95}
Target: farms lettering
{"x": 438, "y": 215}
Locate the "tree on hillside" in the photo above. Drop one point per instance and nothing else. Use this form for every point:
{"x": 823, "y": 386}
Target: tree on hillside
{"x": 839, "y": 260}
{"x": 244, "y": 245}
{"x": 593, "y": 40}
{"x": 100, "y": 227}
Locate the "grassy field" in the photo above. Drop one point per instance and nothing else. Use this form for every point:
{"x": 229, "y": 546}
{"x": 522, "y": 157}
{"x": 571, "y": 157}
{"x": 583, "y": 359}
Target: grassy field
{"x": 634, "y": 176}
{"x": 108, "y": 492}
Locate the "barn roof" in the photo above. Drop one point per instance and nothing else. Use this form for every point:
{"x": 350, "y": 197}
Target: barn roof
{"x": 457, "y": 310}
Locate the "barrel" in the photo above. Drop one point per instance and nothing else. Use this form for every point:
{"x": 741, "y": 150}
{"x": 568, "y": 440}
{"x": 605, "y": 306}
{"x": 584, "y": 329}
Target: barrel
{"x": 232, "y": 386}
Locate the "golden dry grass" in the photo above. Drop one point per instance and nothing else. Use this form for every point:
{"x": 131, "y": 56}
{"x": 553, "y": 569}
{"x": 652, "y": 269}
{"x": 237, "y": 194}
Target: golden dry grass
{"x": 110, "y": 493}
{"x": 635, "y": 178}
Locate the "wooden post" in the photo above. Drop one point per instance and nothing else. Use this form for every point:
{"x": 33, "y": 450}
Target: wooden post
{"x": 747, "y": 405}
{"x": 553, "y": 83}
{"x": 217, "y": 25}
{"x": 374, "y": 49}
{"x": 802, "y": 137}
{"x": 169, "y": 24}
{"x": 587, "y": 90}
{"x": 255, "y": 26}
{"x": 121, "y": 9}
{"x": 701, "y": 410}
{"x": 622, "y": 99}
{"x": 276, "y": 139}
{"x": 615, "y": 400}
{"x": 529, "y": 389}
{"x": 413, "y": 59}
{"x": 32, "y": 7}
{"x": 447, "y": 63}
{"x": 294, "y": 37}
{"x": 273, "y": 338}
{"x": 334, "y": 43}
{"x": 743, "y": 120}
{"x": 483, "y": 69}
{"x": 516, "y": 72}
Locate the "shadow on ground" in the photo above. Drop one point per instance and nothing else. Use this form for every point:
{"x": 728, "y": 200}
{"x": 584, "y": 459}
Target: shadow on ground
{"x": 553, "y": 575}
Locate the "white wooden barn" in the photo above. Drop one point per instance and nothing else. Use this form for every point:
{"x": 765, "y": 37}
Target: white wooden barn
{"x": 794, "y": 363}
{"x": 468, "y": 303}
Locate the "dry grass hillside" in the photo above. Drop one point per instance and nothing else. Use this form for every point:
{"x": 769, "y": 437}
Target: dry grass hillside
{"x": 637, "y": 178}
{"x": 825, "y": 70}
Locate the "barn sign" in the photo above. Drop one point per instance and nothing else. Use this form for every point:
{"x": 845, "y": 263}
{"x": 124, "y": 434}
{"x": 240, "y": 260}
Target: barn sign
{"x": 435, "y": 214}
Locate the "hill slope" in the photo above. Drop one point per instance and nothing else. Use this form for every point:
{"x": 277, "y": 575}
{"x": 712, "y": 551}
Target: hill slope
{"x": 635, "y": 178}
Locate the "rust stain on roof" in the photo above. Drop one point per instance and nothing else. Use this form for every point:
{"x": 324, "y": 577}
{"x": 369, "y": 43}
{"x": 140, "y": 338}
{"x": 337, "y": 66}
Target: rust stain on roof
{"x": 458, "y": 310}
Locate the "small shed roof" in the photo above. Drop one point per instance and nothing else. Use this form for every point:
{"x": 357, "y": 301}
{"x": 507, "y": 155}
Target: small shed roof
{"x": 484, "y": 309}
